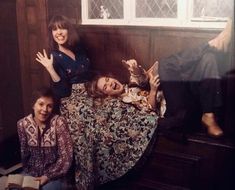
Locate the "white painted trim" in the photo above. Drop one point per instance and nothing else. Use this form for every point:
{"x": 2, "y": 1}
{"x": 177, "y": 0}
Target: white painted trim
{"x": 84, "y": 7}
{"x": 182, "y": 7}
{"x": 219, "y": 25}
{"x": 184, "y": 17}
{"x": 127, "y": 10}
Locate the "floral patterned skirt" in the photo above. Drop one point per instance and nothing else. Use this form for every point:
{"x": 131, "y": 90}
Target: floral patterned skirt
{"x": 108, "y": 139}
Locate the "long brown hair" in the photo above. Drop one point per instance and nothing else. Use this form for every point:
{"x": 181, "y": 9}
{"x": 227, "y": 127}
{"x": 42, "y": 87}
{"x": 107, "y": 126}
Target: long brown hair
{"x": 92, "y": 88}
{"x": 60, "y": 21}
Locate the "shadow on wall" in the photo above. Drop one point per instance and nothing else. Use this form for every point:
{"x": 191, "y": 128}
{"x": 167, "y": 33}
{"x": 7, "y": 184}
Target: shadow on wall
{"x": 10, "y": 152}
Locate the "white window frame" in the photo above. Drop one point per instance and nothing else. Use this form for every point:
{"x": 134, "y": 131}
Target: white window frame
{"x": 184, "y": 19}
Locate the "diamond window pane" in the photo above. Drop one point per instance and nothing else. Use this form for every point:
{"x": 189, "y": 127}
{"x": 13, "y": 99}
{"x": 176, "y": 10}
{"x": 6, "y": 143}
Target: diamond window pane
{"x": 105, "y": 9}
{"x": 213, "y": 8}
{"x": 156, "y": 8}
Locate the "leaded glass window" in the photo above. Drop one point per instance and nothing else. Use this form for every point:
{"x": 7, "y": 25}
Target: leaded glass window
{"x": 105, "y": 9}
{"x": 156, "y": 8}
{"x": 213, "y": 8}
{"x": 185, "y": 13}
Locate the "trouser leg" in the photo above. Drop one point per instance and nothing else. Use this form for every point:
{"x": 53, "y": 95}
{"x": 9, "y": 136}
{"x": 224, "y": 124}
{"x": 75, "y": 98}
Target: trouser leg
{"x": 173, "y": 72}
{"x": 197, "y": 67}
{"x": 206, "y": 83}
{"x": 53, "y": 185}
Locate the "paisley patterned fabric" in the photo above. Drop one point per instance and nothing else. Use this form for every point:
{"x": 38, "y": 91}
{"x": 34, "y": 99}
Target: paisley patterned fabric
{"x": 48, "y": 153}
{"x": 31, "y": 129}
{"x": 108, "y": 139}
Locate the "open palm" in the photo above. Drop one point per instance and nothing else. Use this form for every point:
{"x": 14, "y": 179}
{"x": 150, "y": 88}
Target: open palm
{"x": 44, "y": 60}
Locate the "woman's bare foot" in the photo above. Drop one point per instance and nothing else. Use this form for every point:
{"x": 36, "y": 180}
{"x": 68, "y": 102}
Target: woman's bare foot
{"x": 213, "y": 129}
{"x": 222, "y": 41}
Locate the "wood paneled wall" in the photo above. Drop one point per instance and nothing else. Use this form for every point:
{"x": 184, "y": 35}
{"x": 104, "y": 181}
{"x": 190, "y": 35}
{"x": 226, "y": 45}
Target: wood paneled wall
{"x": 11, "y": 106}
{"x": 70, "y": 8}
{"x": 10, "y": 86}
{"x": 32, "y": 37}
{"x": 107, "y": 45}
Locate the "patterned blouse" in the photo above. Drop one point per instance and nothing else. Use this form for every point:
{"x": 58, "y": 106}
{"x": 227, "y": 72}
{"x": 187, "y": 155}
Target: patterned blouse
{"x": 48, "y": 152}
{"x": 135, "y": 95}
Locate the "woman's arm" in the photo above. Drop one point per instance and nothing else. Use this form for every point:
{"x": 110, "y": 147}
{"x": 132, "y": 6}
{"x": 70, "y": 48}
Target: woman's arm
{"x": 154, "y": 82}
{"x": 61, "y": 85}
{"x": 64, "y": 150}
{"x": 48, "y": 64}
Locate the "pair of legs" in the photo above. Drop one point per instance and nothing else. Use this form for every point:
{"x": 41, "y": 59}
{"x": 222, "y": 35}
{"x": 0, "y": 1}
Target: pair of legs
{"x": 193, "y": 75}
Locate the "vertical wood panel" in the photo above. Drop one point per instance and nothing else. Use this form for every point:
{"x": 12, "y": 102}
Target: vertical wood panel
{"x": 115, "y": 51}
{"x": 33, "y": 44}
{"x": 32, "y": 32}
{"x": 11, "y": 107}
{"x": 94, "y": 45}
{"x": 31, "y": 15}
{"x": 138, "y": 46}
{"x": 70, "y": 8}
{"x": 23, "y": 50}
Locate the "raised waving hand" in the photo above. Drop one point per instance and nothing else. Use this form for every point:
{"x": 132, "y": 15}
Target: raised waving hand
{"x": 47, "y": 62}
{"x": 44, "y": 60}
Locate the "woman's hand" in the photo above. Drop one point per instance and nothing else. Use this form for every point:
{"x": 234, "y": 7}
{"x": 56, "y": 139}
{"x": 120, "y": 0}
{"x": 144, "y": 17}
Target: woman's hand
{"x": 48, "y": 64}
{"x": 44, "y": 60}
{"x": 43, "y": 179}
{"x": 154, "y": 82}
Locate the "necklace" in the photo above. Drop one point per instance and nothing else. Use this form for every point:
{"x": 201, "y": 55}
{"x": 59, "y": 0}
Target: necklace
{"x": 42, "y": 127}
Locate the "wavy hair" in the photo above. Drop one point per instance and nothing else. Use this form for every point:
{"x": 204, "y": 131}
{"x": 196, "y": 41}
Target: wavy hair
{"x": 60, "y": 21}
{"x": 92, "y": 88}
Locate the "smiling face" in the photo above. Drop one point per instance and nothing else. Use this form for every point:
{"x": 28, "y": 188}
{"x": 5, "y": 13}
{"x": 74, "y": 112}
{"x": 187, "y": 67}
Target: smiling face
{"x": 60, "y": 35}
{"x": 43, "y": 108}
{"x": 109, "y": 86}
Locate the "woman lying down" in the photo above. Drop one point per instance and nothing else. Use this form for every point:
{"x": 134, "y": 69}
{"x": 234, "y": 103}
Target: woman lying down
{"x": 111, "y": 137}
{"x": 189, "y": 76}
{"x": 142, "y": 91}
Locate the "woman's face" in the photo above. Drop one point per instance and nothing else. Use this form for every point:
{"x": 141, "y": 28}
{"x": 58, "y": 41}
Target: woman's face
{"x": 109, "y": 86}
{"x": 42, "y": 109}
{"x": 60, "y": 35}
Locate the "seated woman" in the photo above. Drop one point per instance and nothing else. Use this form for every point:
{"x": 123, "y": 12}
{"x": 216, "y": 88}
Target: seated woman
{"x": 46, "y": 146}
{"x": 189, "y": 75}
